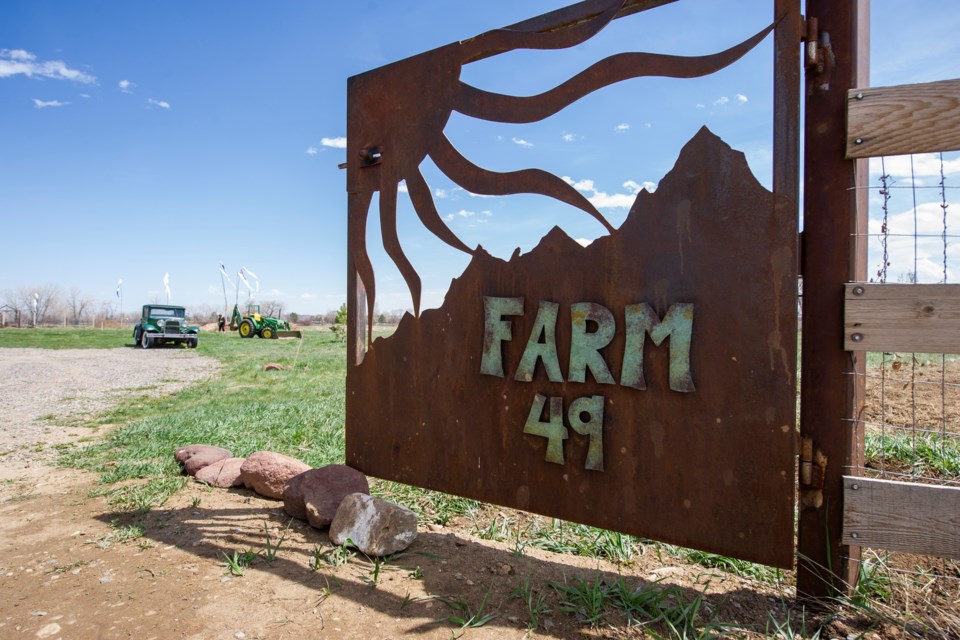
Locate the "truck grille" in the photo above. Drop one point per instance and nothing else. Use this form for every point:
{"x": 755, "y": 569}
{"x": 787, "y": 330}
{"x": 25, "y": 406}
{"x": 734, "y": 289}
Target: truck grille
{"x": 171, "y": 327}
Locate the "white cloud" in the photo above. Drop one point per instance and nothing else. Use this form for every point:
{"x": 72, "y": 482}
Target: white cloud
{"x": 623, "y": 126}
{"x": 603, "y": 200}
{"x": 449, "y": 216}
{"x": 647, "y": 125}
{"x": 402, "y": 187}
{"x": 17, "y": 54}
{"x": 126, "y": 86}
{"x": 741, "y": 98}
{"x": 924, "y": 165}
{"x": 583, "y": 242}
{"x": 40, "y": 104}
{"x": 487, "y": 213}
{"x": 337, "y": 143}
{"x": 721, "y": 101}
{"x": 440, "y": 193}
{"x": 307, "y": 296}
{"x": 84, "y": 95}
{"x": 904, "y": 250}
{"x": 568, "y": 137}
{"x": 700, "y": 105}
{"x": 15, "y": 62}
{"x": 312, "y": 151}
{"x": 163, "y": 104}
{"x": 634, "y": 187}
{"x": 463, "y": 213}
{"x": 522, "y": 142}
{"x": 476, "y": 195}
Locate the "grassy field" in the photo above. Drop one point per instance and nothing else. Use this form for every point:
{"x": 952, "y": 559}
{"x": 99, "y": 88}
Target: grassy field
{"x": 299, "y": 411}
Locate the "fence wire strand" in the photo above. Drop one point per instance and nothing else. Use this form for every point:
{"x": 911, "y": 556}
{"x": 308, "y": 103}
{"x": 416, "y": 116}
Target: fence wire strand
{"x": 912, "y": 400}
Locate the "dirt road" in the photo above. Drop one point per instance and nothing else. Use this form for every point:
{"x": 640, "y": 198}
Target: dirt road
{"x": 72, "y": 567}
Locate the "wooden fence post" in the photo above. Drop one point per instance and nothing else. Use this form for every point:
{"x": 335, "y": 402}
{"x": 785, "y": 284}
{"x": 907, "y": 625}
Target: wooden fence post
{"x": 834, "y": 250}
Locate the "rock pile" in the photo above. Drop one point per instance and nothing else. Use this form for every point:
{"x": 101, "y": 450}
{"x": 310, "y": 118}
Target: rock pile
{"x": 334, "y": 496}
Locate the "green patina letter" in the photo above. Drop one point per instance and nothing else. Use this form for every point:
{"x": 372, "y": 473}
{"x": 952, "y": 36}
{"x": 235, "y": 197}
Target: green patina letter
{"x": 593, "y": 427}
{"x": 497, "y": 330}
{"x": 553, "y": 431}
{"x": 545, "y": 324}
{"x": 678, "y": 324}
{"x": 585, "y": 347}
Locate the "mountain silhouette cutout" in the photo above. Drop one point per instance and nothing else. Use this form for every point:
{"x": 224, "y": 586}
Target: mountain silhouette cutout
{"x": 711, "y": 468}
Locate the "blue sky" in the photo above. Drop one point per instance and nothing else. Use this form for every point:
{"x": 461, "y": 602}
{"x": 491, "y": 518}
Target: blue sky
{"x": 138, "y": 139}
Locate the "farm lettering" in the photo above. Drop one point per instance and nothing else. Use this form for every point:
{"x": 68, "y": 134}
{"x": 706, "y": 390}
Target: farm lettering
{"x": 585, "y": 414}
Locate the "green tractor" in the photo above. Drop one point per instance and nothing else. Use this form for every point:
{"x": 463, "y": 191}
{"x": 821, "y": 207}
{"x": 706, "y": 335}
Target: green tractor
{"x": 254, "y": 324}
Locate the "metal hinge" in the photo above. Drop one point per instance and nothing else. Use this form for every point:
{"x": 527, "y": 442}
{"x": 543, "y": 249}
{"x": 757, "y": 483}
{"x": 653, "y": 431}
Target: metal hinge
{"x": 812, "y": 473}
{"x": 817, "y": 50}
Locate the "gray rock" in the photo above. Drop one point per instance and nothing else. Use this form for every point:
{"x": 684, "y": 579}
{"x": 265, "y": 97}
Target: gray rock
{"x": 223, "y": 474}
{"x": 266, "y": 472}
{"x": 194, "y": 457}
{"x": 373, "y": 525}
{"x": 316, "y": 494}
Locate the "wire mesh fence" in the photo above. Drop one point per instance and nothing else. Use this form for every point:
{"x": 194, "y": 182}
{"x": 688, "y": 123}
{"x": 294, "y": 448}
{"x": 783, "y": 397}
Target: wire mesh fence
{"x": 911, "y": 414}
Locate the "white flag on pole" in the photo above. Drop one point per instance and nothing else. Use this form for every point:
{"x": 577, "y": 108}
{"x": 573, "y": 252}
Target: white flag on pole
{"x": 223, "y": 272}
{"x": 166, "y": 285}
{"x": 251, "y": 289}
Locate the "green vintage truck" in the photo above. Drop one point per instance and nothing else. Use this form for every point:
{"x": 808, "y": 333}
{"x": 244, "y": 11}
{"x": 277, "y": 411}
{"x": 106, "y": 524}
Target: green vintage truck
{"x": 162, "y": 324}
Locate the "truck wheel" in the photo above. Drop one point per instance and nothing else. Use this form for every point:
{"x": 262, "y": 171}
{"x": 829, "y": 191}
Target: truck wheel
{"x": 192, "y": 343}
{"x": 247, "y": 330}
{"x": 145, "y": 340}
{"x": 267, "y": 333}
{"x": 136, "y": 337}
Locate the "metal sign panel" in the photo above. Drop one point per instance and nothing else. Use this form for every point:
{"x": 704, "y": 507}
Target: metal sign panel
{"x": 644, "y": 383}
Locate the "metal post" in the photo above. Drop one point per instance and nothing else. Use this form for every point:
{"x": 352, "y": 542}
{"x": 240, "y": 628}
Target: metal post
{"x": 835, "y": 217}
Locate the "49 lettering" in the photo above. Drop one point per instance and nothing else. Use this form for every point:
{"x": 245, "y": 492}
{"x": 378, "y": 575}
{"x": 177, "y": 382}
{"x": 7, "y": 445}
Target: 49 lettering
{"x": 585, "y": 417}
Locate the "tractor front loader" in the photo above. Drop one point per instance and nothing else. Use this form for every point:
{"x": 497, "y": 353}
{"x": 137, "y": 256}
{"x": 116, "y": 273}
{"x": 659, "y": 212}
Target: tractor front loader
{"x": 255, "y": 324}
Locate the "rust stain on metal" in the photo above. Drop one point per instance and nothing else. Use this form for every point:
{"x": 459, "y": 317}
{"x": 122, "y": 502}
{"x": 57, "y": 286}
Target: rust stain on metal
{"x": 603, "y": 384}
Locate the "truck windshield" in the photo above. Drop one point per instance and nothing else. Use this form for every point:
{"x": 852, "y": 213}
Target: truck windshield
{"x": 159, "y": 312}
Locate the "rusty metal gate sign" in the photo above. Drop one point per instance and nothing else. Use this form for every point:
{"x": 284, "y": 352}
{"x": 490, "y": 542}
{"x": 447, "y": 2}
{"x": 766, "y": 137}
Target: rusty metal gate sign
{"x": 644, "y": 383}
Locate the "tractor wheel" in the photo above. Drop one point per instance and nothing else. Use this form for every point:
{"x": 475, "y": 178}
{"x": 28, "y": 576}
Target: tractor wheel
{"x": 145, "y": 340}
{"x": 267, "y": 333}
{"x": 247, "y": 330}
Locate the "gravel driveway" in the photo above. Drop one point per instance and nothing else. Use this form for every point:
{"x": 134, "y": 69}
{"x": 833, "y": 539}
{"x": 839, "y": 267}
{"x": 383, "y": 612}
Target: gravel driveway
{"x": 42, "y": 389}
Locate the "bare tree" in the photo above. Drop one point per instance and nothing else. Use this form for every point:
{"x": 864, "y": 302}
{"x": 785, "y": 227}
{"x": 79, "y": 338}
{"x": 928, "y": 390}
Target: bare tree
{"x": 271, "y": 308}
{"x": 78, "y": 304}
{"x": 37, "y": 299}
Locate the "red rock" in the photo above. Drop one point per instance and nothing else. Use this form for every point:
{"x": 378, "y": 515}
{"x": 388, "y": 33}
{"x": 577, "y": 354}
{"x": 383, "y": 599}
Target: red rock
{"x": 293, "y": 496}
{"x": 266, "y": 472}
{"x": 223, "y": 474}
{"x": 194, "y": 457}
{"x": 316, "y": 494}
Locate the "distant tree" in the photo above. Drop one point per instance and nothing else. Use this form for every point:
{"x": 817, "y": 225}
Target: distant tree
{"x": 293, "y": 316}
{"x": 381, "y": 319}
{"x": 78, "y": 304}
{"x": 271, "y": 308}
{"x": 46, "y": 296}
{"x": 339, "y": 327}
